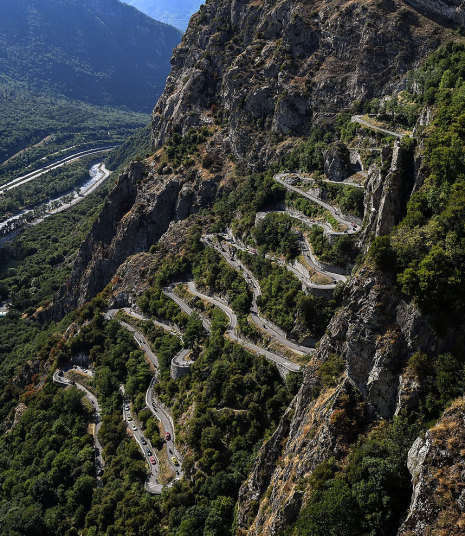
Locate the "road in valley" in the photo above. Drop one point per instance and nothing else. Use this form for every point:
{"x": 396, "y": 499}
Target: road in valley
{"x": 24, "y": 179}
{"x": 98, "y": 174}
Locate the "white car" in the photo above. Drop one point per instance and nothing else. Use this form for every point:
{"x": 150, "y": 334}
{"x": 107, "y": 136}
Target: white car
{"x": 134, "y": 427}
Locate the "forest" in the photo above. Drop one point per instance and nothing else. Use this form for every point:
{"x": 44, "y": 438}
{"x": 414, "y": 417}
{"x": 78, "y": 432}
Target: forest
{"x": 51, "y": 123}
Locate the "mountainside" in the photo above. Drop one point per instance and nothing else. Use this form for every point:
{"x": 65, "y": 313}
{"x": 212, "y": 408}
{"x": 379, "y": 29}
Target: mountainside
{"x": 268, "y": 71}
{"x": 274, "y": 297}
{"x": 174, "y": 12}
{"x": 98, "y": 51}
{"x": 308, "y": 65}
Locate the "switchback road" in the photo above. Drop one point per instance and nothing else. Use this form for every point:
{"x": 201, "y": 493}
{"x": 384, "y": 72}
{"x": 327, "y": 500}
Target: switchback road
{"x": 59, "y": 377}
{"x": 233, "y": 334}
{"x": 159, "y": 410}
{"x": 352, "y": 224}
{"x": 359, "y": 119}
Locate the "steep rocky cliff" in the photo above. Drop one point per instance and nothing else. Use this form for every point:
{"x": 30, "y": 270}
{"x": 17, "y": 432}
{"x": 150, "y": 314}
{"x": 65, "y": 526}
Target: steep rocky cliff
{"x": 437, "y": 466}
{"x": 375, "y": 332}
{"x": 267, "y": 70}
{"x": 136, "y": 214}
{"x": 260, "y": 74}
{"x": 387, "y": 191}
{"x": 452, "y": 11}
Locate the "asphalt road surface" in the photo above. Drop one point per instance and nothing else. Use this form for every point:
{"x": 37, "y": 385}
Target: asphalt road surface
{"x": 59, "y": 377}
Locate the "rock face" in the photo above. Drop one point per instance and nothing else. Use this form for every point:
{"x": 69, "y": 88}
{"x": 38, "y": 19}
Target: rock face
{"x": 437, "y": 466}
{"x": 375, "y": 332}
{"x": 387, "y": 193}
{"x": 451, "y": 10}
{"x": 136, "y": 214}
{"x": 265, "y": 71}
{"x": 337, "y": 164}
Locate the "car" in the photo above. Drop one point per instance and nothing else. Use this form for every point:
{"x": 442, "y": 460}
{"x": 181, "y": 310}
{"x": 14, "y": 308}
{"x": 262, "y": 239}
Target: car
{"x": 148, "y": 451}
{"x": 129, "y": 418}
{"x": 143, "y": 441}
{"x": 174, "y": 460}
{"x": 167, "y": 436}
{"x": 134, "y": 427}
{"x": 126, "y": 407}
{"x": 153, "y": 461}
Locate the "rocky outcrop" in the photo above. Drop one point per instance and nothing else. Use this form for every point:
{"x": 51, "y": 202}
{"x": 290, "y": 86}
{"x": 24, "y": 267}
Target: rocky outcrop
{"x": 135, "y": 215}
{"x": 337, "y": 164}
{"x": 266, "y": 71}
{"x": 387, "y": 193}
{"x": 12, "y": 420}
{"x": 273, "y": 494}
{"x": 437, "y": 466}
{"x": 450, "y": 10}
{"x": 374, "y": 333}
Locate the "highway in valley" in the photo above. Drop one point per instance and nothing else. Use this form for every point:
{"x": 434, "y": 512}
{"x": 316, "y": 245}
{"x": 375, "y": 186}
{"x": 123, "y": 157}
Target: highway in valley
{"x": 73, "y": 157}
{"x": 12, "y": 226}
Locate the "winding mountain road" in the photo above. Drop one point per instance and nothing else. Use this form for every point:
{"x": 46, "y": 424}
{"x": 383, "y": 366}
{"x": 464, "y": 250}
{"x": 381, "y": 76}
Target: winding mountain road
{"x": 263, "y": 323}
{"x": 271, "y": 329}
{"x": 348, "y": 182}
{"x": 58, "y": 377}
{"x": 359, "y": 119}
{"x": 233, "y": 335}
{"x": 297, "y": 269}
{"x": 353, "y": 224}
{"x": 158, "y": 409}
{"x": 333, "y": 272}
{"x": 168, "y": 291}
{"x": 180, "y": 359}
{"x": 152, "y": 484}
